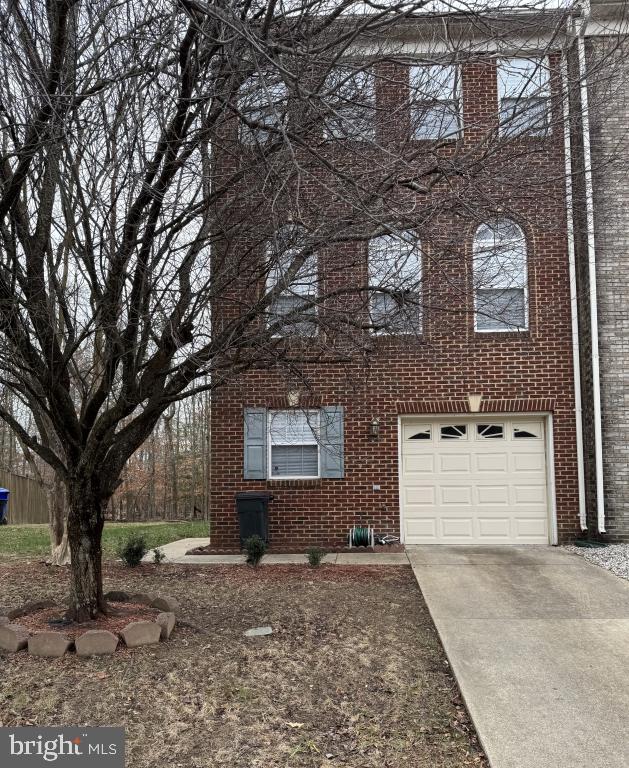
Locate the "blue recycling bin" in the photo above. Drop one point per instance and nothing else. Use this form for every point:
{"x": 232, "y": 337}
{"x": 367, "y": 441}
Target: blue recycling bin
{"x": 4, "y": 505}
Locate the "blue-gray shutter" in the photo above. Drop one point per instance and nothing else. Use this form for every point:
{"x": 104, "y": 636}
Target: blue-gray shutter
{"x": 331, "y": 436}
{"x": 255, "y": 444}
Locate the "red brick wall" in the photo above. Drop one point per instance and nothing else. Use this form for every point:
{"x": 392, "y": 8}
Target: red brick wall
{"x": 448, "y": 361}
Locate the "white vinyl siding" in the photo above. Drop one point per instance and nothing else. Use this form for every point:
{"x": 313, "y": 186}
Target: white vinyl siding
{"x": 294, "y": 309}
{"x": 435, "y": 98}
{"x": 524, "y": 95}
{"x": 395, "y": 272}
{"x": 500, "y": 277}
{"x": 294, "y": 443}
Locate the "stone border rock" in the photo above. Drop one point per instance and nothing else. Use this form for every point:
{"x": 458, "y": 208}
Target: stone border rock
{"x": 93, "y": 642}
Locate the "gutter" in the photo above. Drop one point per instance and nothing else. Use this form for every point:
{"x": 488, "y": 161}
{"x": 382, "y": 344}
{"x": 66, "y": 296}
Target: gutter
{"x": 574, "y": 303}
{"x": 580, "y": 24}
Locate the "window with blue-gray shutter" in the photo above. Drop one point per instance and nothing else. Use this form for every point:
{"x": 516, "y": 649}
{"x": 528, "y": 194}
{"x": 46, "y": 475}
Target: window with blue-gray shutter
{"x": 293, "y": 443}
{"x": 255, "y": 466}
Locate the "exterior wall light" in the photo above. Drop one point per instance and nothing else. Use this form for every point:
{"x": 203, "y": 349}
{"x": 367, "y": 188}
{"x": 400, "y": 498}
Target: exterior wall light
{"x": 374, "y": 428}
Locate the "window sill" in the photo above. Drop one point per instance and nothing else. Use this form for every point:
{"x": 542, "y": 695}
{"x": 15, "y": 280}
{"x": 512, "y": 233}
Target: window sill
{"x": 391, "y": 339}
{"x": 306, "y": 482}
{"x": 525, "y": 333}
{"x": 447, "y": 141}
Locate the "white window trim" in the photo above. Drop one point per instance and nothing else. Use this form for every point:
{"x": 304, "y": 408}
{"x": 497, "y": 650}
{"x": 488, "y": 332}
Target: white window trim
{"x": 317, "y": 414}
{"x": 459, "y": 98}
{"x": 420, "y": 293}
{"x": 369, "y": 71}
{"x": 514, "y": 329}
{"x": 250, "y": 136}
{"x": 519, "y": 329}
{"x": 268, "y": 286}
{"x": 503, "y": 128}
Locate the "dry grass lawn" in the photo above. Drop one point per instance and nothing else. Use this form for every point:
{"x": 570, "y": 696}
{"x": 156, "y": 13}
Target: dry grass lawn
{"x": 353, "y": 674}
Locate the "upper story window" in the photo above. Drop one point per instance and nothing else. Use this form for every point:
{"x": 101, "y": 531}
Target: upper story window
{"x": 263, "y": 107}
{"x": 500, "y": 277}
{"x": 435, "y": 97}
{"x": 294, "y": 444}
{"x": 524, "y": 95}
{"x": 395, "y": 283}
{"x": 293, "y": 310}
{"x": 350, "y": 98}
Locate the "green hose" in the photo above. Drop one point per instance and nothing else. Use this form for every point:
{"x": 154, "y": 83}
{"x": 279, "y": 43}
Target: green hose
{"x": 360, "y": 536}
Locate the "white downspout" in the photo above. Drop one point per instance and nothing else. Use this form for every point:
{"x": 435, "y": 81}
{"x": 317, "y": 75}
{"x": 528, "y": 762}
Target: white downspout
{"x": 581, "y": 22}
{"x": 574, "y": 303}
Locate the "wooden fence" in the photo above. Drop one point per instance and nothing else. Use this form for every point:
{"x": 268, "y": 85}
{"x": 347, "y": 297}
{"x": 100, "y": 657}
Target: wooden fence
{"x": 27, "y": 502}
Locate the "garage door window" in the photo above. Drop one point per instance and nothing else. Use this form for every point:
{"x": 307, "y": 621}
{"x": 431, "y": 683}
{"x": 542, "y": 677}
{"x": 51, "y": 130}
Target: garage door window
{"x": 490, "y": 431}
{"x": 527, "y": 432}
{"x": 423, "y": 434}
{"x": 454, "y": 432}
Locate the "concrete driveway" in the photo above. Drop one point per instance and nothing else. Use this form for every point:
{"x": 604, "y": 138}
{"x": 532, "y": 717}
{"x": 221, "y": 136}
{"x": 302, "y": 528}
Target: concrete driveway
{"x": 539, "y": 642}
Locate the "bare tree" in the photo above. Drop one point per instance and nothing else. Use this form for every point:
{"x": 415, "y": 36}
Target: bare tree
{"x": 161, "y": 159}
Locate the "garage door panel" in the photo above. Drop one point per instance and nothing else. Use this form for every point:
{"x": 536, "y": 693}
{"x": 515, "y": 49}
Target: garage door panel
{"x": 491, "y": 462}
{"x": 494, "y": 527}
{"x": 420, "y": 494}
{"x": 475, "y": 490}
{"x": 529, "y": 494}
{"x": 455, "y": 462}
{"x": 529, "y": 462}
{"x": 425, "y": 529}
{"x": 457, "y": 528}
{"x": 419, "y": 464}
{"x": 492, "y": 494}
{"x": 456, "y": 494}
{"x": 533, "y": 527}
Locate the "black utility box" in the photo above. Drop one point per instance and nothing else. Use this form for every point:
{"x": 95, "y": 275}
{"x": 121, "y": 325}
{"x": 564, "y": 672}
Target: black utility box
{"x": 253, "y": 515}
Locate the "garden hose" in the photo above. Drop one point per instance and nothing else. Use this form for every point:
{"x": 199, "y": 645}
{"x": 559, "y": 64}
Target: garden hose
{"x": 360, "y": 536}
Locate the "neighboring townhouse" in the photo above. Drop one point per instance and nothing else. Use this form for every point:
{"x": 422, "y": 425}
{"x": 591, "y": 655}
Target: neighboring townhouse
{"x": 598, "y": 58}
{"x": 459, "y": 424}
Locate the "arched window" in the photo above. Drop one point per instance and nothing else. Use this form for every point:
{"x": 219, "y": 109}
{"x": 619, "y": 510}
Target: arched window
{"x": 395, "y": 283}
{"x": 500, "y": 277}
{"x": 293, "y": 309}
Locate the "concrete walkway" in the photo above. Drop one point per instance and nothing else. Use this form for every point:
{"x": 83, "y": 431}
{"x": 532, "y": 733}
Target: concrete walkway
{"x": 175, "y": 552}
{"x": 539, "y": 642}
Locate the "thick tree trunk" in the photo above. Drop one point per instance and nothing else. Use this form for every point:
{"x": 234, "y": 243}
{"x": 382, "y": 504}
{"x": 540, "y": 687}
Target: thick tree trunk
{"x": 85, "y": 529}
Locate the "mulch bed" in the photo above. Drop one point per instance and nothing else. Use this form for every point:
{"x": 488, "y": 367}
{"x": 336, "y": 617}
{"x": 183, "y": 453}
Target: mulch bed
{"x": 353, "y": 675}
{"x": 275, "y": 549}
{"x": 121, "y": 614}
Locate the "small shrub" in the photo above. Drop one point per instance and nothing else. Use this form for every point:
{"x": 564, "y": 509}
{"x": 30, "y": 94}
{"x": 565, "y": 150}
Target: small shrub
{"x": 315, "y": 556}
{"x": 256, "y": 549}
{"x": 133, "y": 550}
{"x": 158, "y": 556}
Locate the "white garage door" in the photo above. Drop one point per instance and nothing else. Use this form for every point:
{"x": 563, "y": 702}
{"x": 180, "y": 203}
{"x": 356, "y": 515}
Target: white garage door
{"x": 474, "y": 481}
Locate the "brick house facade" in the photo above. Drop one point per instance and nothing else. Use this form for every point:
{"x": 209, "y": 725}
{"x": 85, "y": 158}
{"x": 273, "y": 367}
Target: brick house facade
{"x": 525, "y": 377}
